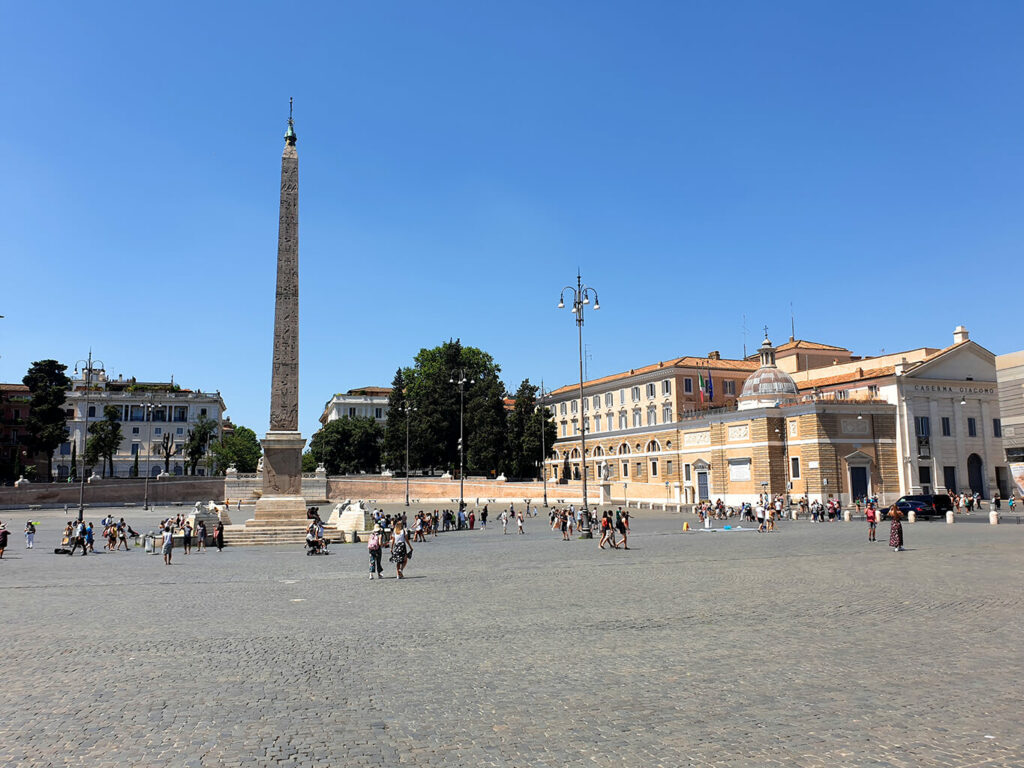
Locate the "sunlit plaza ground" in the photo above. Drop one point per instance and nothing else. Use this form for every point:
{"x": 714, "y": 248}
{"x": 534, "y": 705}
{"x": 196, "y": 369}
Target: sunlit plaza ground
{"x": 806, "y": 647}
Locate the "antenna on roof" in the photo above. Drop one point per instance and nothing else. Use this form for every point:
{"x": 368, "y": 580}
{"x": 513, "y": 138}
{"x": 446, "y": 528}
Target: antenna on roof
{"x": 792, "y": 323}
{"x": 744, "y": 337}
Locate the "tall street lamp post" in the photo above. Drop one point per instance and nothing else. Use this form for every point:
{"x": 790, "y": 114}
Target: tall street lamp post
{"x": 543, "y": 448}
{"x": 581, "y": 295}
{"x": 458, "y": 377}
{"x": 407, "y": 410}
{"x": 87, "y": 371}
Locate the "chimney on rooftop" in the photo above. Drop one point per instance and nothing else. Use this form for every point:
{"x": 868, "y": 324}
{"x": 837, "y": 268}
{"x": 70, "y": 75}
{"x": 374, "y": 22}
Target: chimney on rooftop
{"x": 960, "y": 334}
{"x": 714, "y": 355}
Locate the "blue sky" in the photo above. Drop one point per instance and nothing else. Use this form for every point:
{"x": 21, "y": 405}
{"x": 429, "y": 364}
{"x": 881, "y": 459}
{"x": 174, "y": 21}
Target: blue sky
{"x": 458, "y": 161}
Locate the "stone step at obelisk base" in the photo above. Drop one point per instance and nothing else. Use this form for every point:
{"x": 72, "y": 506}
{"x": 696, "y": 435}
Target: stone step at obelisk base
{"x": 243, "y": 536}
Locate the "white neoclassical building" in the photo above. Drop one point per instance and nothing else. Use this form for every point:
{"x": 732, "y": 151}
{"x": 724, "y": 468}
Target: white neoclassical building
{"x": 148, "y": 411}
{"x": 948, "y": 428}
{"x": 368, "y": 402}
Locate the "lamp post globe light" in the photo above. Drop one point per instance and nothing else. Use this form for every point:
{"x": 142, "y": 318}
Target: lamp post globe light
{"x": 581, "y": 295}
{"x": 89, "y": 367}
{"x": 458, "y": 378}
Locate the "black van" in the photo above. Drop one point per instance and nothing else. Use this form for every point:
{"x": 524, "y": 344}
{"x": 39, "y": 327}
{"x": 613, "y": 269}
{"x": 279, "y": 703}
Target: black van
{"x": 925, "y": 505}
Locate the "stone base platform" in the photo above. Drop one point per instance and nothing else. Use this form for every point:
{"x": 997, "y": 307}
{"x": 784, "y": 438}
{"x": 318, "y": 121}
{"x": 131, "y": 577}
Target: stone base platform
{"x": 243, "y": 535}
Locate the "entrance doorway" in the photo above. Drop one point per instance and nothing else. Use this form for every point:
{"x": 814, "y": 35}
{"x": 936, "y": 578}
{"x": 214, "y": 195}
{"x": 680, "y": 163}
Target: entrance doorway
{"x": 702, "y": 486}
{"x": 949, "y": 478}
{"x": 859, "y": 482}
{"x": 976, "y": 475}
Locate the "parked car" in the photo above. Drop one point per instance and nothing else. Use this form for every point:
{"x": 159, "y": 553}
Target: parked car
{"x": 925, "y": 505}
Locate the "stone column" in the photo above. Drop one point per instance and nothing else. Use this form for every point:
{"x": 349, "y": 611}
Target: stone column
{"x": 282, "y": 501}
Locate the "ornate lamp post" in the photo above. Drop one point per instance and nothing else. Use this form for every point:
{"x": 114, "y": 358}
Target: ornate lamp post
{"x": 581, "y": 295}
{"x": 88, "y": 368}
{"x": 407, "y": 410}
{"x": 458, "y": 377}
{"x": 543, "y": 448}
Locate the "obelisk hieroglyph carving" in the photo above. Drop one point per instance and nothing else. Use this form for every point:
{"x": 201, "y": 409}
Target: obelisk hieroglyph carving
{"x": 282, "y": 500}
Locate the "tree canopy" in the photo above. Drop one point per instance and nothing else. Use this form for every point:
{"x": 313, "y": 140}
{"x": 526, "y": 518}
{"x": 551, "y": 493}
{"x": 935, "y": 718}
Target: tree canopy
{"x": 106, "y": 439}
{"x": 242, "y": 449}
{"x": 348, "y": 445}
{"x": 197, "y": 441}
{"x": 47, "y": 422}
{"x": 525, "y": 423}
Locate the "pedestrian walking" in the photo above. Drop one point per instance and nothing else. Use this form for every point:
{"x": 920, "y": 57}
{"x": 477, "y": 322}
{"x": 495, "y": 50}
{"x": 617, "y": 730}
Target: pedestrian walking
{"x": 401, "y": 550}
{"x": 122, "y": 534}
{"x": 4, "y": 534}
{"x": 187, "y": 537}
{"x": 504, "y": 521}
{"x": 218, "y": 536}
{"x": 78, "y": 539}
{"x": 200, "y": 536}
{"x": 872, "y": 518}
{"x": 168, "y": 542}
{"x": 519, "y": 521}
{"x": 375, "y": 548}
{"x": 89, "y": 540}
{"x": 30, "y": 535}
{"x": 895, "y": 529}
{"x": 620, "y": 526}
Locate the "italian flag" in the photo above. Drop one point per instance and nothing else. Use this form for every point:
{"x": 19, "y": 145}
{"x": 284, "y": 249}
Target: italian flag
{"x": 700, "y": 385}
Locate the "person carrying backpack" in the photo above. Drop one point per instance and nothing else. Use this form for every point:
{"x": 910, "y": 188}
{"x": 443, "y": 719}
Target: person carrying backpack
{"x": 375, "y": 548}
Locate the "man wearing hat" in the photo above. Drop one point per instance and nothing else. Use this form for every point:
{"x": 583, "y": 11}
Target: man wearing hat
{"x": 375, "y": 547}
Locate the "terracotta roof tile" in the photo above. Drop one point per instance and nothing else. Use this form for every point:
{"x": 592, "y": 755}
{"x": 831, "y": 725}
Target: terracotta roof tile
{"x": 803, "y": 344}
{"x": 721, "y": 364}
{"x": 843, "y": 378}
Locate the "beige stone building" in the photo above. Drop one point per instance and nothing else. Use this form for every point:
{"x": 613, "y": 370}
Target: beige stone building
{"x": 809, "y": 419}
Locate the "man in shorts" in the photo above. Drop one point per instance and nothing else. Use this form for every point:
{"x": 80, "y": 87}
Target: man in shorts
{"x": 168, "y": 542}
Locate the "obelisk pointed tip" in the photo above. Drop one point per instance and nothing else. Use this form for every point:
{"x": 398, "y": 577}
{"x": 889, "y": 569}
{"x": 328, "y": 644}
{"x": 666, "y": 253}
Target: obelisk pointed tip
{"x": 289, "y": 135}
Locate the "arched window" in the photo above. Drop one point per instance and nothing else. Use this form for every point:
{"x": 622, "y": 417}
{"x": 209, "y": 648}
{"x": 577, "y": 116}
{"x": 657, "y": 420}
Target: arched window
{"x": 599, "y": 451}
{"x": 575, "y": 453}
{"x": 623, "y": 449}
{"x": 653, "y": 446}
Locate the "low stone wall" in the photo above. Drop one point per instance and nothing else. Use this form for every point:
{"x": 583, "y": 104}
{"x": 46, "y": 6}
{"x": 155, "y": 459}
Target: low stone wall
{"x": 248, "y": 487}
{"x": 392, "y": 489}
{"x": 101, "y": 492}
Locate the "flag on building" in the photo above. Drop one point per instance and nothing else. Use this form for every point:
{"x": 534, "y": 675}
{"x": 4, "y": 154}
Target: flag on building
{"x": 700, "y": 385}
{"x": 711, "y": 387}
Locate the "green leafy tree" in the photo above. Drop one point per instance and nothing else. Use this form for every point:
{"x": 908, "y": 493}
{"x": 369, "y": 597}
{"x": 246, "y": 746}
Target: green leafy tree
{"x": 309, "y": 462}
{"x": 198, "y": 440}
{"x": 106, "y": 439}
{"x": 394, "y": 428}
{"x": 525, "y": 423}
{"x": 435, "y": 426}
{"x": 241, "y": 449}
{"x": 348, "y": 445}
{"x": 47, "y": 422}
{"x": 135, "y": 466}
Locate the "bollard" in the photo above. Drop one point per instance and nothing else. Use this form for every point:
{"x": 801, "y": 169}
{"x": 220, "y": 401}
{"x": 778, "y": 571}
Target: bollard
{"x": 993, "y": 518}
{"x": 911, "y": 516}
{"x": 707, "y": 521}
{"x": 846, "y": 516}
{"x": 949, "y": 518}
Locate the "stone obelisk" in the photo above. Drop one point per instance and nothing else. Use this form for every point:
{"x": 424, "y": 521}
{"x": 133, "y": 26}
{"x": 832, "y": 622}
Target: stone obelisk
{"x": 282, "y": 502}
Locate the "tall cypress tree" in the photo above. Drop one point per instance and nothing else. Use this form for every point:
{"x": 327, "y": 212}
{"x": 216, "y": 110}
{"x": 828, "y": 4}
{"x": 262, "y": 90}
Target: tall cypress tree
{"x": 47, "y": 422}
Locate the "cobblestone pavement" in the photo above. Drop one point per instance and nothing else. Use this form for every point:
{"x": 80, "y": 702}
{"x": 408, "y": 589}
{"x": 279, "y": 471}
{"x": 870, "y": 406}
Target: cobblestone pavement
{"x": 806, "y": 647}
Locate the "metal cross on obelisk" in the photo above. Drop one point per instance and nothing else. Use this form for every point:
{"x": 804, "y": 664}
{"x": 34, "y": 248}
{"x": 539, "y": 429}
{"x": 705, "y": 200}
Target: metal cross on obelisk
{"x": 282, "y": 500}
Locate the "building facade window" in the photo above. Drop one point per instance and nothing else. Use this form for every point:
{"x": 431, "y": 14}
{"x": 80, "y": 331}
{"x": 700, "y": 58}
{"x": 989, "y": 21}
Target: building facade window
{"x": 729, "y": 387}
{"x": 686, "y": 472}
{"x": 609, "y": 400}
{"x": 635, "y": 394}
{"x": 135, "y": 430}
{"x": 668, "y": 467}
{"x": 563, "y": 429}
{"x": 135, "y": 449}
{"x": 92, "y": 411}
{"x": 597, "y": 401}
{"x": 637, "y": 418}
{"x": 597, "y": 422}
{"x": 622, "y": 396}
{"x": 378, "y": 413}
{"x": 652, "y": 390}
{"x": 622, "y": 421}
{"x": 922, "y": 425}
{"x": 574, "y": 407}
{"x": 666, "y": 387}
{"x": 666, "y": 414}
{"x": 972, "y": 427}
{"x": 997, "y": 428}
{"x": 561, "y": 407}
{"x": 625, "y": 469}
{"x": 652, "y": 416}
{"x": 946, "y": 427}
{"x": 794, "y": 462}
{"x": 688, "y": 386}
{"x": 654, "y": 467}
